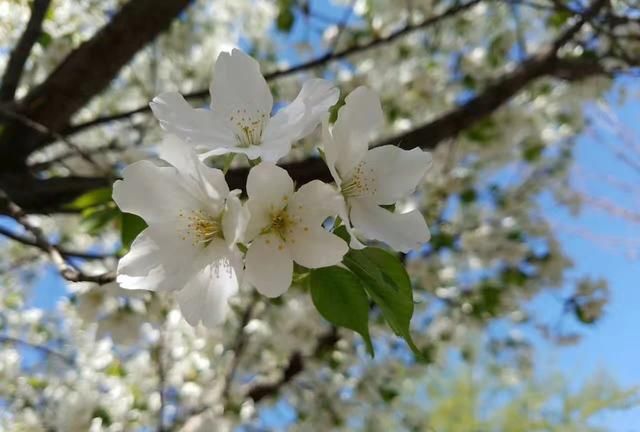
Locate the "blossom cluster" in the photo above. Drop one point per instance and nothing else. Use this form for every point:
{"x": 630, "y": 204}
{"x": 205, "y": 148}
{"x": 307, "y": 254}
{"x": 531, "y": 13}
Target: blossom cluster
{"x": 202, "y": 242}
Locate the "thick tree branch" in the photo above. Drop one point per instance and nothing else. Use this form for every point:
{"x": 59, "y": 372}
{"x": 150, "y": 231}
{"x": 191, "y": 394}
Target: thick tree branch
{"x": 43, "y": 196}
{"x": 47, "y": 195}
{"x": 20, "y": 54}
{"x": 318, "y": 62}
{"x": 83, "y": 74}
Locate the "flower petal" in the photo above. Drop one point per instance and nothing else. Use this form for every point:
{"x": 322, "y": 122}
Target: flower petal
{"x": 403, "y": 232}
{"x": 354, "y": 242}
{"x": 152, "y": 192}
{"x": 238, "y": 85}
{"x": 206, "y": 183}
{"x": 269, "y": 188}
{"x": 396, "y": 172}
{"x": 198, "y": 127}
{"x": 331, "y": 152}
{"x": 234, "y": 220}
{"x": 157, "y": 261}
{"x": 358, "y": 119}
{"x": 314, "y": 202}
{"x": 314, "y": 247}
{"x": 204, "y": 299}
{"x": 303, "y": 115}
{"x": 269, "y": 266}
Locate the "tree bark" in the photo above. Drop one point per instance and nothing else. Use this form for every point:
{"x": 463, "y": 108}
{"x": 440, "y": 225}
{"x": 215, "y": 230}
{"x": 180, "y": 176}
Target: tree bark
{"x": 83, "y": 74}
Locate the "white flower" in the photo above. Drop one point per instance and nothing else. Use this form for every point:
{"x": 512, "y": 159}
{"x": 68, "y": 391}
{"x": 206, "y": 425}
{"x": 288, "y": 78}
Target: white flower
{"x": 369, "y": 179}
{"x": 239, "y": 120}
{"x": 194, "y": 223}
{"x": 286, "y": 226}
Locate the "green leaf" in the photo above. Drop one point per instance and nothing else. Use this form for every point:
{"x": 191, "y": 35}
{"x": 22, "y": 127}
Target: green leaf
{"x": 130, "y": 227}
{"x": 342, "y": 232}
{"x": 91, "y": 199}
{"x": 386, "y": 281}
{"x": 285, "y": 20}
{"x": 96, "y": 219}
{"x": 45, "y": 39}
{"x": 559, "y": 18}
{"x": 341, "y": 299}
{"x": 468, "y": 196}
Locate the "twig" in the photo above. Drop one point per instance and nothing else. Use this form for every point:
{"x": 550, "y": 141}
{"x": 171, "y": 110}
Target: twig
{"x": 65, "y": 269}
{"x": 320, "y": 61}
{"x": 159, "y": 349}
{"x": 39, "y": 127}
{"x": 239, "y": 346}
{"x": 64, "y": 252}
{"x": 342, "y": 26}
{"x": 42, "y": 348}
{"x": 112, "y": 146}
{"x": 295, "y": 366}
{"x": 20, "y": 53}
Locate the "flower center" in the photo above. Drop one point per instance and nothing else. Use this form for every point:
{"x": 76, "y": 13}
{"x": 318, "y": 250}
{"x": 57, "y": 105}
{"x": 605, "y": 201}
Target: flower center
{"x": 248, "y": 127}
{"x": 281, "y": 223}
{"x": 201, "y": 228}
{"x": 360, "y": 183}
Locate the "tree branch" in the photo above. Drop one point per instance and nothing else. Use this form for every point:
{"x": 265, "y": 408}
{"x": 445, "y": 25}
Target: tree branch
{"x": 295, "y": 365}
{"x": 84, "y": 73}
{"x": 65, "y": 269}
{"x": 43, "y": 196}
{"x": 49, "y": 195}
{"x": 42, "y": 348}
{"x": 320, "y": 61}
{"x": 64, "y": 252}
{"x": 20, "y": 53}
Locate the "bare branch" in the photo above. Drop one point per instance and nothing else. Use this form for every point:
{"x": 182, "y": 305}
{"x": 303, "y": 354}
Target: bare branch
{"x": 39, "y": 127}
{"x": 42, "y": 348}
{"x": 20, "y": 53}
{"x": 64, "y": 252}
{"x": 545, "y": 63}
{"x": 320, "y": 61}
{"x": 240, "y": 343}
{"x": 84, "y": 73}
{"x": 65, "y": 269}
{"x": 295, "y": 365}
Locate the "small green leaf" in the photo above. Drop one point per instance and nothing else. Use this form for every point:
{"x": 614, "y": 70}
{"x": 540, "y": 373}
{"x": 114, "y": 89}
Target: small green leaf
{"x": 91, "y": 199}
{"x": 96, "y": 219}
{"x": 532, "y": 152}
{"x": 341, "y": 300}
{"x": 386, "y": 281}
{"x": 285, "y": 20}
{"x": 468, "y": 196}
{"x": 45, "y": 40}
{"x": 342, "y": 232}
{"x": 130, "y": 227}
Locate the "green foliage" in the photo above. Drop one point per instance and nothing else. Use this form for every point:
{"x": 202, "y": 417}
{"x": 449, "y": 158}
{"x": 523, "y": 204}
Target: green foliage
{"x": 341, "y": 299}
{"x": 90, "y": 199}
{"x": 388, "y": 285}
{"x": 558, "y": 18}
{"x": 96, "y": 208}
{"x": 532, "y": 151}
{"x": 95, "y": 219}
{"x": 130, "y": 226}
{"x": 286, "y": 18}
{"x": 379, "y": 274}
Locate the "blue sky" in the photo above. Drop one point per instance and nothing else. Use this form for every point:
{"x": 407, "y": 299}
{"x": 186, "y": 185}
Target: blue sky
{"x": 612, "y": 344}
